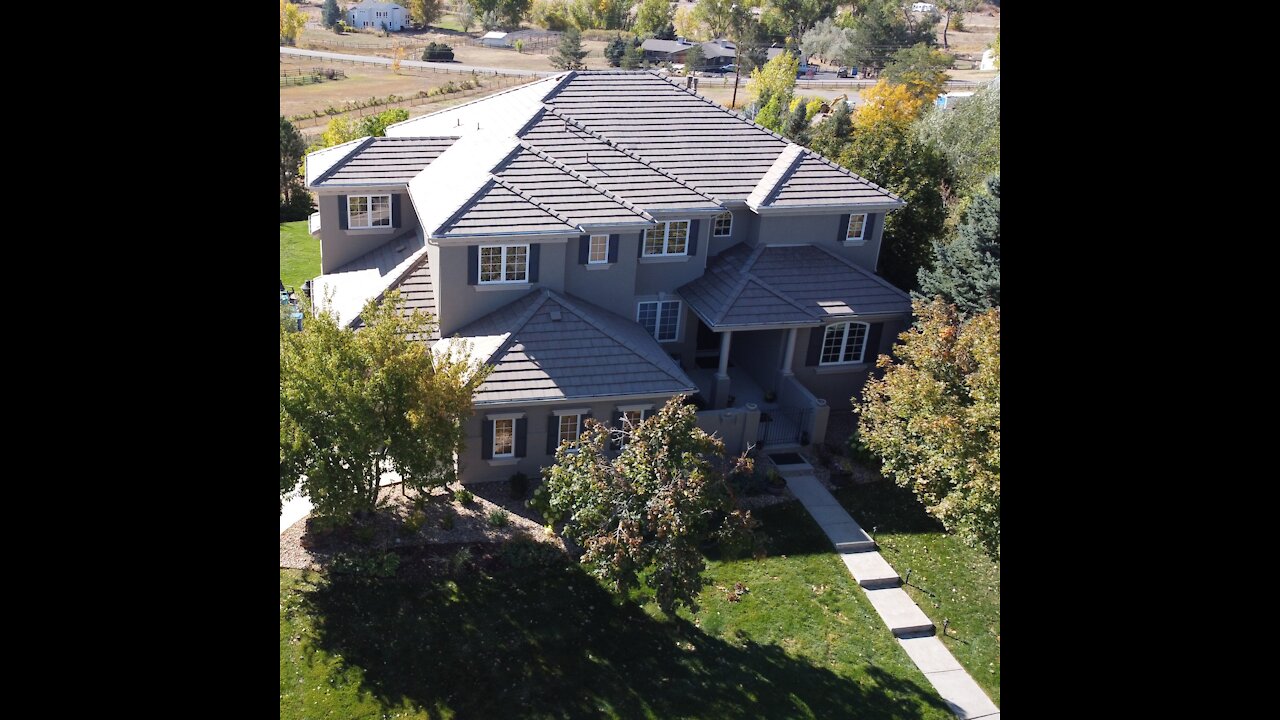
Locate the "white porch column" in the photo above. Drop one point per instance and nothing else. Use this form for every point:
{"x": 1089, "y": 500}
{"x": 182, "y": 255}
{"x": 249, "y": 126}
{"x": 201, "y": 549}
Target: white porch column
{"x": 790, "y": 354}
{"x": 726, "y": 338}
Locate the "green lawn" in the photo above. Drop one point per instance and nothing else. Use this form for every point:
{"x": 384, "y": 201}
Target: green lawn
{"x": 299, "y": 254}
{"x": 949, "y": 580}
{"x": 527, "y": 633}
{"x": 448, "y": 22}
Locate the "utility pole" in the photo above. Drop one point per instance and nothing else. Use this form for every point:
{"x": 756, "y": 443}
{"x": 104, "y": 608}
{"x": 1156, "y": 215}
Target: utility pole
{"x": 737, "y": 54}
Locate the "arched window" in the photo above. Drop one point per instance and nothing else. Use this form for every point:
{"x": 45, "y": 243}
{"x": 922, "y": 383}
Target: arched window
{"x": 844, "y": 343}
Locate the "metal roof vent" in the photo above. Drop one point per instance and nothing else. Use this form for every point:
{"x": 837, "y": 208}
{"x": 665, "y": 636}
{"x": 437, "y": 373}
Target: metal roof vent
{"x": 555, "y": 315}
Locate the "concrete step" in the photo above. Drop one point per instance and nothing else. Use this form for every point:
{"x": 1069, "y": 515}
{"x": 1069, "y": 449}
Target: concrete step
{"x": 964, "y": 695}
{"x": 870, "y": 570}
{"x": 929, "y": 654}
{"x": 792, "y": 471}
{"x": 900, "y": 613}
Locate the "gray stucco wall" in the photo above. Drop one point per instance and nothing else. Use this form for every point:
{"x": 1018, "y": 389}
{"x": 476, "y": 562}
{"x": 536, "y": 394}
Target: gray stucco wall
{"x": 458, "y": 303}
{"x": 822, "y": 230}
{"x": 838, "y": 386}
{"x": 609, "y": 286}
{"x": 339, "y": 247}
{"x": 743, "y": 219}
{"x": 654, "y": 275}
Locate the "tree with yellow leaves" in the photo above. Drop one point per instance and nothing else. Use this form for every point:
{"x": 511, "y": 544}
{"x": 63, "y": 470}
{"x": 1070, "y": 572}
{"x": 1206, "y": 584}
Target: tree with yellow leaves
{"x": 395, "y": 62}
{"x": 291, "y": 21}
{"x": 777, "y": 78}
{"x": 885, "y": 102}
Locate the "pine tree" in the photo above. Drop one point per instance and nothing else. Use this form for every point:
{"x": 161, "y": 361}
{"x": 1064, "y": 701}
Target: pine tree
{"x": 331, "y": 13}
{"x": 632, "y": 58}
{"x": 570, "y": 53}
{"x": 966, "y": 271}
{"x": 614, "y": 51}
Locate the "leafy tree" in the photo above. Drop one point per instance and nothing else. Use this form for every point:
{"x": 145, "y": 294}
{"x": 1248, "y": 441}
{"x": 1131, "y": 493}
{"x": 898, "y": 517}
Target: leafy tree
{"x": 358, "y": 403}
{"x": 776, "y": 79}
{"x": 959, "y": 7}
{"x": 632, "y": 58}
{"x": 770, "y": 116}
{"x": 614, "y": 51}
{"x": 466, "y": 16}
{"x": 513, "y": 11}
{"x": 569, "y": 54}
{"x": 694, "y": 59}
{"x": 921, "y": 68}
{"x": 424, "y": 12}
{"x": 292, "y": 150}
{"x": 376, "y": 125}
{"x": 883, "y": 28}
{"x": 800, "y": 15}
{"x": 829, "y": 41}
{"x": 969, "y": 135}
{"x": 688, "y": 25}
{"x": 653, "y": 16}
{"x": 934, "y": 419}
{"x": 291, "y": 22}
{"x": 644, "y": 513}
{"x": 811, "y": 109}
{"x": 833, "y": 133}
{"x": 966, "y": 271}
{"x": 331, "y": 14}
{"x": 716, "y": 15}
{"x": 890, "y": 155}
{"x": 885, "y": 102}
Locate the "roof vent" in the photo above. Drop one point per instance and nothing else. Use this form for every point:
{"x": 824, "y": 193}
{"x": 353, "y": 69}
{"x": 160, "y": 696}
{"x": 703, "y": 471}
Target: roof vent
{"x": 555, "y": 315}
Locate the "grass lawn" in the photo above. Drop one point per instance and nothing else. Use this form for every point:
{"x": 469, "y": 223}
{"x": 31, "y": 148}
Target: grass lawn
{"x": 299, "y": 254}
{"x": 524, "y": 632}
{"x": 948, "y": 578}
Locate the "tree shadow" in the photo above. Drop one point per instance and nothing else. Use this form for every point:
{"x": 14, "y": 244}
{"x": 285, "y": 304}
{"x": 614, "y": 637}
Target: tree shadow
{"x": 522, "y": 631}
{"x": 886, "y": 507}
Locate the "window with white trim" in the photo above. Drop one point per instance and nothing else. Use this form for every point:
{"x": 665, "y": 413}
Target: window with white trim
{"x": 660, "y": 318}
{"x": 504, "y": 264}
{"x": 857, "y": 224}
{"x": 570, "y": 427}
{"x": 504, "y": 438}
{"x": 599, "y": 250}
{"x": 368, "y": 211}
{"x": 668, "y": 238}
{"x": 631, "y": 420}
{"x": 723, "y": 226}
{"x": 844, "y": 343}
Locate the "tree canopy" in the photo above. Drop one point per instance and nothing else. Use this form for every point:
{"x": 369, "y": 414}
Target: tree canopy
{"x": 969, "y": 135}
{"x": 883, "y": 28}
{"x": 569, "y": 53}
{"x": 800, "y": 15}
{"x": 934, "y": 419}
{"x": 653, "y": 16}
{"x": 921, "y": 69}
{"x": 295, "y": 201}
{"x": 331, "y": 14}
{"x": 291, "y": 22}
{"x": 424, "y": 12}
{"x": 777, "y": 78}
{"x": 614, "y": 51}
{"x": 966, "y": 271}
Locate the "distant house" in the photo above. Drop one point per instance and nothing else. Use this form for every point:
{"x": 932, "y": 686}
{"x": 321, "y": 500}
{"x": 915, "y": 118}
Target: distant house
{"x": 715, "y": 53}
{"x": 988, "y": 60}
{"x": 951, "y": 99}
{"x": 494, "y": 38}
{"x": 378, "y": 15}
{"x": 922, "y": 7}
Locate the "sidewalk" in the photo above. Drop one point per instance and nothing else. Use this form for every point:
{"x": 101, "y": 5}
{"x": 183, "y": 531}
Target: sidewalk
{"x": 913, "y": 629}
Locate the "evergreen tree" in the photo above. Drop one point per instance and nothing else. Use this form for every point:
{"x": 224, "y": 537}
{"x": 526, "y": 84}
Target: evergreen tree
{"x": 331, "y": 14}
{"x": 966, "y": 272}
{"x": 668, "y": 32}
{"x": 570, "y": 53}
{"x": 794, "y": 125}
{"x": 694, "y": 60}
{"x": 632, "y": 58}
{"x": 614, "y": 51}
{"x": 830, "y": 136}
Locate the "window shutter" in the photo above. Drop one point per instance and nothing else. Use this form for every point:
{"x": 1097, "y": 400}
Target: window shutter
{"x": 342, "y": 211}
{"x": 473, "y": 264}
{"x": 486, "y": 440}
{"x": 584, "y": 249}
{"x": 872, "y": 348}
{"x": 873, "y": 224}
{"x": 640, "y": 250}
{"x": 613, "y": 248}
{"x": 395, "y": 210}
{"x": 522, "y": 436}
{"x": 815, "y": 346}
{"x": 843, "y": 231}
{"x": 534, "y": 252}
{"x": 693, "y": 237}
{"x": 553, "y": 433}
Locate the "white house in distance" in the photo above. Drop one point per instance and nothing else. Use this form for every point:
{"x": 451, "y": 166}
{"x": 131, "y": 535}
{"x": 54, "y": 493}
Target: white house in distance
{"x": 376, "y": 14}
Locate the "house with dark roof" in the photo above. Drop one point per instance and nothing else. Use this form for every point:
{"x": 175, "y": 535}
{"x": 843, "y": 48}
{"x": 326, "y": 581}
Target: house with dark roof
{"x": 716, "y": 53}
{"x": 603, "y": 260}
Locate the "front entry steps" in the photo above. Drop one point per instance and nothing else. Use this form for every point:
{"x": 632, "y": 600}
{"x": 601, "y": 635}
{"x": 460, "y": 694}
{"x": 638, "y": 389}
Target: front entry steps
{"x": 870, "y": 570}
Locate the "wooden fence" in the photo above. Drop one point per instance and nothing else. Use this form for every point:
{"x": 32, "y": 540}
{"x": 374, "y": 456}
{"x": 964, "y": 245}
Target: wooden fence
{"x": 407, "y": 102}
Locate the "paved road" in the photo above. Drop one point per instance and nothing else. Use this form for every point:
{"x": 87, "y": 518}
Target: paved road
{"x": 415, "y": 63}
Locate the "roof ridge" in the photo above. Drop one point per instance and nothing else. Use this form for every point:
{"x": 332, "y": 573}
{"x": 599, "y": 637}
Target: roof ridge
{"x": 582, "y": 178}
{"x": 413, "y": 264}
{"x": 864, "y": 271}
{"x": 738, "y": 286}
{"x": 482, "y": 98}
{"x": 533, "y": 201}
{"x": 770, "y": 288}
{"x": 822, "y": 158}
{"x": 631, "y": 154}
{"x": 774, "y": 176}
{"x": 362, "y": 143}
{"x": 521, "y": 320}
{"x": 722, "y": 108}
{"x": 590, "y": 319}
{"x": 559, "y": 85}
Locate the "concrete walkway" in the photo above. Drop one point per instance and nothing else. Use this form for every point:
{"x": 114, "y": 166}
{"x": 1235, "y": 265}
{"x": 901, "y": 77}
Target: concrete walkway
{"x": 913, "y": 629}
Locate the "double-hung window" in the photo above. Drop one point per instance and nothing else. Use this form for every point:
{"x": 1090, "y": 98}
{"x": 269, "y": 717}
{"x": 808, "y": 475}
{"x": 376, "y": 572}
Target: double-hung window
{"x": 569, "y": 429}
{"x": 723, "y": 226}
{"x": 668, "y": 238}
{"x": 504, "y": 263}
{"x": 504, "y": 438}
{"x": 660, "y": 318}
{"x": 844, "y": 343}
{"x": 856, "y": 230}
{"x": 368, "y": 211}
{"x": 599, "y": 250}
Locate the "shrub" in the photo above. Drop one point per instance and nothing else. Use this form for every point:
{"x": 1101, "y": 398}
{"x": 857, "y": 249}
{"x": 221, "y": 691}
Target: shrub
{"x": 519, "y": 485}
{"x": 460, "y": 559}
{"x": 498, "y": 518}
{"x": 438, "y": 52}
{"x": 463, "y": 496}
{"x": 446, "y": 522}
{"x": 415, "y": 521}
{"x": 366, "y": 564}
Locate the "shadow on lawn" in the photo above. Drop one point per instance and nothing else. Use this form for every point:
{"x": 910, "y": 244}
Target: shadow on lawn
{"x": 885, "y": 507}
{"x": 525, "y": 632}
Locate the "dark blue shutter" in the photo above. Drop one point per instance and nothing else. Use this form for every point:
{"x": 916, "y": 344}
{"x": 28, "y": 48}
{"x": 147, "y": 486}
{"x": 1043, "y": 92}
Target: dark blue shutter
{"x": 613, "y": 248}
{"x": 473, "y": 264}
{"x": 843, "y": 230}
{"x": 584, "y": 249}
{"x": 693, "y": 237}
{"x": 522, "y": 436}
{"x": 342, "y": 211}
{"x": 872, "y": 348}
{"x": 534, "y": 252}
{"x": 486, "y": 440}
{"x": 873, "y": 224}
{"x": 553, "y": 433}
{"x": 815, "y": 346}
{"x": 395, "y": 211}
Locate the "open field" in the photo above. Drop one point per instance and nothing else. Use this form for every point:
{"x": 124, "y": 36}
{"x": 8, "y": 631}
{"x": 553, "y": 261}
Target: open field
{"x": 317, "y": 38}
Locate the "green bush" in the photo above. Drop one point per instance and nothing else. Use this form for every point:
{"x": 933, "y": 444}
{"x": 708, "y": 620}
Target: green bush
{"x": 446, "y": 522}
{"x": 438, "y": 52}
{"x": 463, "y": 496}
{"x": 498, "y": 518}
{"x": 366, "y": 564}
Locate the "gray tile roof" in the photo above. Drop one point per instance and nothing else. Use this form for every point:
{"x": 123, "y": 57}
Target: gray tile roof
{"x": 787, "y": 285}
{"x": 664, "y": 46}
{"x": 558, "y": 188}
{"x": 345, "y": 290}
{"x": 551, "y": 346}
{"x": 500, "y": 207}
{"x": 384, "y": 160}
{"x": 815, "y": 181}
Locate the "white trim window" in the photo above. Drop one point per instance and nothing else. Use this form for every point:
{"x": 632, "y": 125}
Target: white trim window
{"x": 569, "y": 428}
{"x": 660, "y": 318}
{"x": 368, "y": 211}
{"x": 599, "y": 250}
{"x": 668, "y": 238}
{"x": 844, "y": 343}
{"x": 504, "y": 438}
{"x": 504, "y": 264}
{"x": 723, "y": 225}
{"x": 856, "y": 231}
{"x": 631, "y": 420}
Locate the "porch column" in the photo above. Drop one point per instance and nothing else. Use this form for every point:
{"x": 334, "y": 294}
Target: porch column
{"x": 790, "y": 354}
{"x": 720, "y": 397}
{"x": 726, "y": 338}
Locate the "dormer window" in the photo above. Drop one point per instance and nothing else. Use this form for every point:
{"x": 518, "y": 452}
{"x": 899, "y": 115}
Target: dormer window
{"x": 504, "y": 264}
{"x": 668, "y": 238}
{"x": 368, "y": 211}
{"x": 857, "y": 228}
{"x": 723, "y": 226}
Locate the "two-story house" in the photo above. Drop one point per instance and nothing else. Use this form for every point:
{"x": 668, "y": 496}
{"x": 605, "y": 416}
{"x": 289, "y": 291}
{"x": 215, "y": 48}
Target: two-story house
{"x": 607, "y": 240}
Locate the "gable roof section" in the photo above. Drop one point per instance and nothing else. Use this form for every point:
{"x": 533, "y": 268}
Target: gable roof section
{"x": 499, "y": 208}
{"x": 550, "y": 346}
{"x": 346, "y": 289}
{"x": 814, "y": 181}
{"x": 383, "y": 161}
{"x": 773, "y": 285}
{"x": 557, "y": 187}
